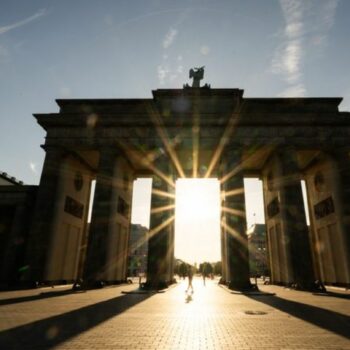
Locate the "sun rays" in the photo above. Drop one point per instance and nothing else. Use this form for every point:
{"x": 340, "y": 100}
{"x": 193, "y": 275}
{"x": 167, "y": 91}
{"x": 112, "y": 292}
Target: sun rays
{"x": 169, "y": 146}
{"x": 234, "y": 233}
{"x": 224, "y": 140}
{"x": 167, "y": 153}
{"x": 162, "y": 209}
{"x": 195, "y": 143}
{"x": 176, "y": 154}
{"x": 164, "y": 224}
{"x": 233, "y": 211}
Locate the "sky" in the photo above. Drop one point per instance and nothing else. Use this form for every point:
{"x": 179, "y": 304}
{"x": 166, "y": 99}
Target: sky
{"x": 126, "y": 49}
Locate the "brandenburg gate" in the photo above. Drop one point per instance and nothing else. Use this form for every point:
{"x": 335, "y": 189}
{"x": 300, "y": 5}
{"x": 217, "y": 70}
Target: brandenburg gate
{"x": 193, "y": 132}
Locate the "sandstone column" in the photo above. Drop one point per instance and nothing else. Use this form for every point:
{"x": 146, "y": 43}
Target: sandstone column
{"x": 294, "y": 221}
{"x": 161, "y": 237}
{"x": 44, "y": 215}
{"x": 223, "y": 235}
{"x": 236, "y": 237}
{"x": 342, "y": 159}
{"x": 101, "y": 221}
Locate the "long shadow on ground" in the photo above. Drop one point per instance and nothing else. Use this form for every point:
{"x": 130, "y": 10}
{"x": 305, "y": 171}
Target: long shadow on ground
{"x": 333, "y": 294}
{"x": 47, "y": 333}
{"x": 43, "y": 295}
{"x": 329, "y": 320}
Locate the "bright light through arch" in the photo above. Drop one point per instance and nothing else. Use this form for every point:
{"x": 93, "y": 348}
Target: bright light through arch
{"x": 197, "y": 220}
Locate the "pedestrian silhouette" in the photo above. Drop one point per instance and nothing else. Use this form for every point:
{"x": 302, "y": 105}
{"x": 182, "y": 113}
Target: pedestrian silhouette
{"x": 204, "y": 272}
{"x": 190, "y": 278}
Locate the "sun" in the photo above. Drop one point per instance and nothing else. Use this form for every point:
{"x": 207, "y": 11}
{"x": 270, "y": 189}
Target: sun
{"x": 195, "y": 198}
{"x": 197, "y": 219}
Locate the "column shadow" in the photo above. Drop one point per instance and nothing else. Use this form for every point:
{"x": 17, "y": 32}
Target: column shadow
{"x": 47, "y": 333}
{"x": 333, "y": 294}
{"x": 329, "y": 320}
{"x": 39, "y": 296}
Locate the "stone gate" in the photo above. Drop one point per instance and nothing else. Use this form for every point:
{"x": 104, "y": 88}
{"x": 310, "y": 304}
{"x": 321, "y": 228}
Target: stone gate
{"x": 185, "y": 133}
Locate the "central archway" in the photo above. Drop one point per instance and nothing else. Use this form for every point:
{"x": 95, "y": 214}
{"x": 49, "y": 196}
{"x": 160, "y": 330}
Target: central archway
{"x": 197, "y": 220}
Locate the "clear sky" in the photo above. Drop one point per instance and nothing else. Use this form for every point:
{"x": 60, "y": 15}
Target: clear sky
{"x": 124, "y": 49}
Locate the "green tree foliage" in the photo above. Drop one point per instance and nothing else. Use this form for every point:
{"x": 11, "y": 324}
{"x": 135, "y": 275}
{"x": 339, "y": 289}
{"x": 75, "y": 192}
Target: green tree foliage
{"x": 206, "y": 268}
{"x": 218, "y": 268}
{"x": 183, "y": 269}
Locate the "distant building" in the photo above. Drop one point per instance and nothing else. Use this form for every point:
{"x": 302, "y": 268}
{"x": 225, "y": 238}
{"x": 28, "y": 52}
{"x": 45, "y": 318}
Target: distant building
{"x": 258, "y": 258}
{"x": 6, "y": 180}
{"x": 138, "y": 250}
{"x": 16, "y": 209}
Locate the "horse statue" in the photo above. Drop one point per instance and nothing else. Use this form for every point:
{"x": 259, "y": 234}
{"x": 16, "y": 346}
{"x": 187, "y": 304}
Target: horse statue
{"x": 197, "y": 74}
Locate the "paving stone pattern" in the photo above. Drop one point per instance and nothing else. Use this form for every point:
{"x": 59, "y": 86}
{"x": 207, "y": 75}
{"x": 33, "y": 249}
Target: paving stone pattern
{"x": 210, "y": 318}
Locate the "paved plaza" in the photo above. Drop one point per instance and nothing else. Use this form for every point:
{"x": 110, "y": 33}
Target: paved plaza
{"x": 210, "y": 318}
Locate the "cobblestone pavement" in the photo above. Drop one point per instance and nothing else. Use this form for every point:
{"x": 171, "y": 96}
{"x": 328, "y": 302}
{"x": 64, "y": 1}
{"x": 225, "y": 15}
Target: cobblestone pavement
{"x": 210, "y": 318}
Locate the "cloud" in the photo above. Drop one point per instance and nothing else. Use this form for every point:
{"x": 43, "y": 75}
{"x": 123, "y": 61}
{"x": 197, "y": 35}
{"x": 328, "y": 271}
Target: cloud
{"x": 40, "y": 13}
{"x": 328, "y": 10}
{"x": 303, "y": 20}
{"x": 163, "y": 72}
{"x": 288, "y": 57}
{"x": 324, "y": 14}
{"x": 171, "y": 66}
{"x": 169, "y": 38}
{"x": 294, "y": 30}
{"x": 33, "y": 167}
{"x": 287, "y": 61}
{"x": 167, "y": 73}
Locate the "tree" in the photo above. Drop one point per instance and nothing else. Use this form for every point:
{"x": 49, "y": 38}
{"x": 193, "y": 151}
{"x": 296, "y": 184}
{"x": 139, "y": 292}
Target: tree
{"x": 218, "y": 268}
{"x": 205, "y": 268}
{"x": 183, "y": 269}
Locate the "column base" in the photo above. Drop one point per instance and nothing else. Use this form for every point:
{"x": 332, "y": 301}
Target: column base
{"x": 222, "y": 281}
{"x": 242, "y": 286}
{"x": 19, "y": 285}
{"x": 90, "y": 284}
{"x": 156, "y": 285}
{"x": 314, "y": 286}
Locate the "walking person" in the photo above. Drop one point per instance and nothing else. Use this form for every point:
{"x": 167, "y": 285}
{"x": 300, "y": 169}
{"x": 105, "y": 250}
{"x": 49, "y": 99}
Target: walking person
{"x": 190, "y": 278}
{"x": 204, "y": 273}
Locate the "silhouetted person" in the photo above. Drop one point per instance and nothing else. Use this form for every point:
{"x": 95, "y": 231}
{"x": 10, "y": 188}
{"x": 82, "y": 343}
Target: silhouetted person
{"x": 190, "y": 278}
{"x": 204, "y": 273}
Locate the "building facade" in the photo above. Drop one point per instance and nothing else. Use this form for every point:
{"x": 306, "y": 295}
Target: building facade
{"x": 138, "y": 250}
{"x": 16, "y": 209}
{"x": 258, "y": 254}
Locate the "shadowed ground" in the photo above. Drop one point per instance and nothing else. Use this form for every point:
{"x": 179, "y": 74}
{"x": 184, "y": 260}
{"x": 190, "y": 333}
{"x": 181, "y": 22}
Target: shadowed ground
{"x": 210, "y": 318}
